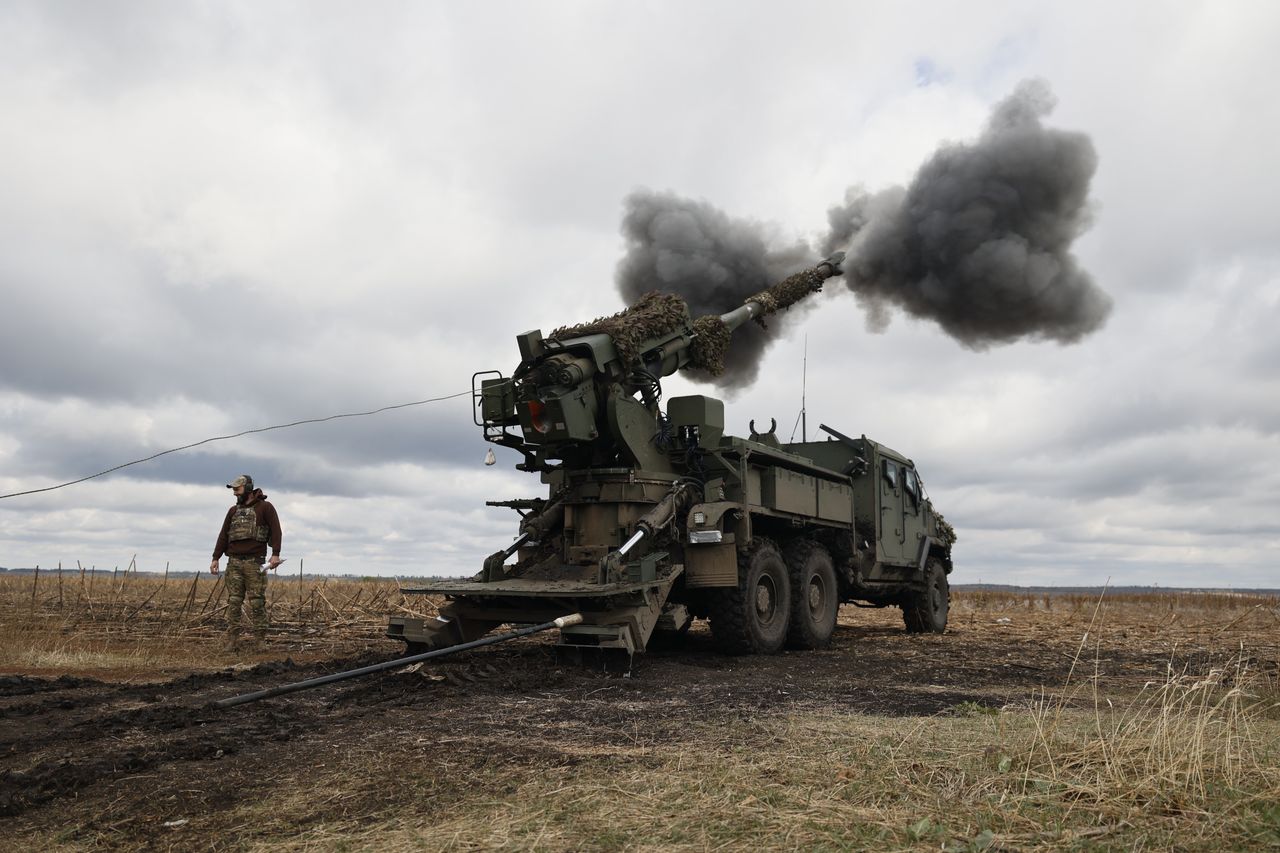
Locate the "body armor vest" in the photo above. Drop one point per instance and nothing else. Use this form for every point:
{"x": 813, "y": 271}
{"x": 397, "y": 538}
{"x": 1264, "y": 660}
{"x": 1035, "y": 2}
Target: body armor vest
{"x": 244, "y": 525}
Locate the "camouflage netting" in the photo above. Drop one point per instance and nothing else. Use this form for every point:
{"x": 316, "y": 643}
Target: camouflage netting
{"x": 656, "y": 314}
{"x": 789, "y": 291}
{"x": 948, "y": 532}
{"x": 710, "y": 344}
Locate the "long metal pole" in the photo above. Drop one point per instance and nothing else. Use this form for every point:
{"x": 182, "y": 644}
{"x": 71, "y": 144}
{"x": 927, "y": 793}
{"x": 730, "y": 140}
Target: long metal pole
{"x": 562, "y": 622}
{"x": 804, "y": 384}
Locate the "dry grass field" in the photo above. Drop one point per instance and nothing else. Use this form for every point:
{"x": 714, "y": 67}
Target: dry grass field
{"x": 1035, "y": 722}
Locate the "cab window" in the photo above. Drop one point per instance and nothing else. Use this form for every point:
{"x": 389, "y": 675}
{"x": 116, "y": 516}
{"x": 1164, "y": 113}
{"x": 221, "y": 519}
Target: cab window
{"x": 891, "y": 473}
{"x": 911, "y": 484}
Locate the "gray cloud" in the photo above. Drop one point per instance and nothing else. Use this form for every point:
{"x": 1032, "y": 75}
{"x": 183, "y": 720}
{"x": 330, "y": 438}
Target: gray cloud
{"x": 320, "y": 458}
{"x": 376, "y": 207}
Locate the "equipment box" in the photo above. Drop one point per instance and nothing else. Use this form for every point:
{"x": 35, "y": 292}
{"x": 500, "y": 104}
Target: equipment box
{"x": 835, "y": 501}
{"x": 789, "y": 491}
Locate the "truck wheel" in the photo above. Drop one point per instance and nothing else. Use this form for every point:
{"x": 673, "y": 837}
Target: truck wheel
{"x": 752, "y": 617}
{"x": 814, "y": 595}
{"x": 925, "y": 612}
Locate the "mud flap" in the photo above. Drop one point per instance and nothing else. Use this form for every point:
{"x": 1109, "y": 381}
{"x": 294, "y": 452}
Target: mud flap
{"x": 925, "y": 544}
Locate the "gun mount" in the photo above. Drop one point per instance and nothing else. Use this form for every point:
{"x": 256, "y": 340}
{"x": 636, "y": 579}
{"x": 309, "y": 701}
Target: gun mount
{"x": 573, "y": 395}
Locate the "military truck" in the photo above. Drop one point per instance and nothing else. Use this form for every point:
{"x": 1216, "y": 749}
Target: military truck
{"x": 654, "y": 517}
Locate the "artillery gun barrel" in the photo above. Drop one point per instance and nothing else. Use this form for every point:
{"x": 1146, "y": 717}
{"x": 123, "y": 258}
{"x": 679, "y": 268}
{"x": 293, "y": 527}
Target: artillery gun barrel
{"x": 562, "y": 622}
{"x": 735, "y": 318}
{"x": 784, "y": 294}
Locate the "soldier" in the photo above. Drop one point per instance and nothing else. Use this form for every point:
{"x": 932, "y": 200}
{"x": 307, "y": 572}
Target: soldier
{"x": 250, "y": 526}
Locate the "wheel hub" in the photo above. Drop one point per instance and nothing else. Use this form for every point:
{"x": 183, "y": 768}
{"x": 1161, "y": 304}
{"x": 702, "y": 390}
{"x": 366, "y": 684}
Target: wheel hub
{"x": 815, "y": 596}
{"x": 764, "y": 600}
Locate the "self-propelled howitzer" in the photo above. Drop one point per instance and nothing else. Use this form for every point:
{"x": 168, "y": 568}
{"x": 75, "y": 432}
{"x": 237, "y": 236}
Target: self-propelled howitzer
{"x": 654, "y": 518}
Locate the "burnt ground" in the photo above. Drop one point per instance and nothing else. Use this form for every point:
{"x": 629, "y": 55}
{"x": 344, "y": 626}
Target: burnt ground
{"x": 95, "y": 763}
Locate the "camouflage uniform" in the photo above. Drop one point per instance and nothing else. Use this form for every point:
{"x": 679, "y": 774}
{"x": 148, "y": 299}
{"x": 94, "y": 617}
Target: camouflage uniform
{"x": 246, "y": 576}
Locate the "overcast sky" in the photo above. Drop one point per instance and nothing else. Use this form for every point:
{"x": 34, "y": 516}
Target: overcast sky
{"x": 222, "y": 216}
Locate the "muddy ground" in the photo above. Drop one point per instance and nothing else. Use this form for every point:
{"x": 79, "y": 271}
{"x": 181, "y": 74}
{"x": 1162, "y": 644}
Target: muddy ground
{"x": 151, "y": 764}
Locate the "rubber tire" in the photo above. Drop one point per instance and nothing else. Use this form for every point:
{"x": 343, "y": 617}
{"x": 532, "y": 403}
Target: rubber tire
{"x": 925, "y": 612}
{"x": 737, "y": 624}
{"x": 812, "y": 574}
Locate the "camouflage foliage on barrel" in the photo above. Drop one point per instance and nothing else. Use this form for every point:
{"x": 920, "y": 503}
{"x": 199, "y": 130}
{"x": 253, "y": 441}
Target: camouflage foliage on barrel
{"x": 654, "y": 316}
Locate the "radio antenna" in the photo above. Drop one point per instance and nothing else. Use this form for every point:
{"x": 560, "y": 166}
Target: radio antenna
{"x": 804, "y": 380}
{"x": 802, "y": 419}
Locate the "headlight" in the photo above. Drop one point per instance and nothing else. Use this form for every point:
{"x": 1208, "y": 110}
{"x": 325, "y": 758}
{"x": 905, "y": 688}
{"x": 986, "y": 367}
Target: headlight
{"x": 699, "y": 518}
{"x": 539, "y": 416}
{"x": 705, "y": 537}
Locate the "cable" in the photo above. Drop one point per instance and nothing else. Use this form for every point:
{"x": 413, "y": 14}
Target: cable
{"x": 694, "y": 461}
{"x": 649, "y": 384}
{"x": 665, "y": 435}
{"x": 236, "y": 435}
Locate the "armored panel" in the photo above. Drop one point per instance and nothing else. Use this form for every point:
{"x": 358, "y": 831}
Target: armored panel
{"x": 646, "y": 568}
{"x": 752, "y": 492}
{"x": 835, "y": 501}
{"x": 497, "y": 400}
{"x": 864, "y": 500}
{"x": 558, "y": 416}
{"x": 711, "y": 565}
{"x": 789, "y": 491}
{"x": 606, "y": 524}
{"x": 530, "y": 344}
{"x": 706, "y": 413}
{"x": 835, "y": 455}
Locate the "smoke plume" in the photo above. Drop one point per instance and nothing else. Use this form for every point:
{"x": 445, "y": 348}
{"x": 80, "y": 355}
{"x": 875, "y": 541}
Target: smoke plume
{"x": 979, "y": 242}
{"x": 714, "y": 262}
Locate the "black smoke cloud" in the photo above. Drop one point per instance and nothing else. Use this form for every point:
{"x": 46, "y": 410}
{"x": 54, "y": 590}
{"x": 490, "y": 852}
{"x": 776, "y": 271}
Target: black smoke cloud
{"x": 711, "y": 260}
{"x": 979, "y": 242}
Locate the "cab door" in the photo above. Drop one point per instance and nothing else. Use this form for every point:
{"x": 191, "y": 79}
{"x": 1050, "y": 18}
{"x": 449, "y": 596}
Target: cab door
{"x": 913, "y": 514}
{"x": 892, "y": 532}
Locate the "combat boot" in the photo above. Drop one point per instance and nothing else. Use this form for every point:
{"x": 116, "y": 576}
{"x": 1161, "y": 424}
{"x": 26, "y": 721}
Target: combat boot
{"x": 231, "y": 641}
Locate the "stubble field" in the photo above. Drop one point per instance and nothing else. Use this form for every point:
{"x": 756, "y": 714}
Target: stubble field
{"x": 1035, "y": 722}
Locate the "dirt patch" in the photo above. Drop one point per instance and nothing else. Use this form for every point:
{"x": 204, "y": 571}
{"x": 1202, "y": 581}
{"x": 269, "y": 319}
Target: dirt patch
{"x": 112, "y": 764}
